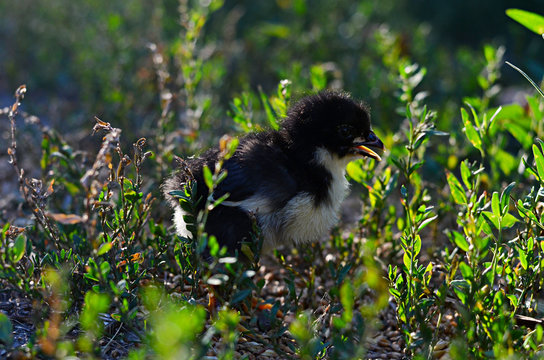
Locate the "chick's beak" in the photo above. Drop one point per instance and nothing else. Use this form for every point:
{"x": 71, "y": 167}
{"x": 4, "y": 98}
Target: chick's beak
{"x": 373, "y": 147}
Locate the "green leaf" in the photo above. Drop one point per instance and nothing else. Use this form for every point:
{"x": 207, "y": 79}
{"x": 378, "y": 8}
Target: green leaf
{"x": 415, "y": 167}
{"x": 408, "y": 113}
{"x": 270, "y": 30}
{"x": 508, "y": 163}
{"x": 406, "y": 260}
{"x": 104, "y": 248}
{"x": 180, "y": 194}
{"x": 90, "y": 277}
{"x": 105, "y": 268}
{"x": 490, "y": 53}
{"x": 425, "y": 223}
{"x": 491, "y": 123}
{"x": 460, "y": 240}
{"x": 417, "y": 245}
{"x": 46, "y": 149}
{"x": 508, "y": 221}
{"x": 72, "y": 188}
{"x": 218, "y": 202}
{"x": 394, "y": 292}
{"x": 520, "y": 134}
{"x": 539, "y": 160}
{"x": 466, "y": 271}
{"x": 348, "y": 299}
{"x": 530, "y": 20}
{"x": 513, "y": 299}
{"x": 482, "y": 242}
{"x": 529, "y": 168}
{"x": 471, "y": 133}
{"x": 460, "y": 287}
{"x": 457, "y": 191}
{"x": 318, "y": 77}
{"x": 19, "y": 248}
{"x": 232, "y": 146}
{"x": 491, "y": 219}
{"x": 213, "y": 245}
{"x": 428, "y": 273}
{"x": 133, "y": 196}
{"x": 523, "y": 212}
{"x": 495, "y": 206}
{"x": 6, "y": 330}
{"x": 522, "y": 258}
{"x": 355, "y": 172}
{"x": 475, "y": 116}
{"x": 208, "y": 177}
{"x": 505, "y": 198}
{"x": 534, "y": 104}
{"x": 216, "y": 4}
{"x": 466, "y": 175}
{"x": 93, "y": 306}
{"x": 270, "y": 114}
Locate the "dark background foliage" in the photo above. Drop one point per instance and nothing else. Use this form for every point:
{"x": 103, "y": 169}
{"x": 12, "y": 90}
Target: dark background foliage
{"x": 81, "y": 59}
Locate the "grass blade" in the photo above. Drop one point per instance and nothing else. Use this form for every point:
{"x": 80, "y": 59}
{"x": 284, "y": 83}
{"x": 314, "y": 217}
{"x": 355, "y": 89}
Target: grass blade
{"x": 528, "y": 78}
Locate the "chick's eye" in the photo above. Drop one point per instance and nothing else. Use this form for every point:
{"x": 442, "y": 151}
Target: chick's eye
{"x": 345, "y": 131}
{"x": 371, "y": 137}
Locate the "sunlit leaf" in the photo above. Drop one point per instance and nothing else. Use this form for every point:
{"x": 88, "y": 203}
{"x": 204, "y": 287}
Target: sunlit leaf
{"x": 505, "y": 198}
{"x": 508, "y": 221}
{"x": 523, "y": 212}
{"x": 417, "y": 245}
{"x": 269, "y": 111}
{"x": 457, "y": 191}
{"x": 534, "y": 104}
{"x": 522, "y": 258}
{"x": 347, "y": 299}
{"x": 318, "y": 77}
{"x": 466, "y": 271}
{"x": 495, "y": 206}
{"x": 539, "y": 160}
{"x": 491, "y": 219}
{"x": 406, "y": 260}
{"x": 355, "y": 172}
{"x": 19, "y": 247}
{"x": 471, "y": 133}
{"x": 508, "y": 162}
{"x": 520, "y": 134}
{"x": 460, "y": 240}
{"x": 426, "y": 222}
{"x": 465, "y": 174}
{"x": 90, "y": 277}
{"x": 208, "y": 177}
{"x": 530, "y": 20}
{"x": 513, "y": 299}
{"x": 104, "y": 248}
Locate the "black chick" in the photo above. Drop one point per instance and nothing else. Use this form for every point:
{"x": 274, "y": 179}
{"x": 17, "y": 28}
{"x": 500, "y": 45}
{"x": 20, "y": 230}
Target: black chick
{"x": 292, "y": 181}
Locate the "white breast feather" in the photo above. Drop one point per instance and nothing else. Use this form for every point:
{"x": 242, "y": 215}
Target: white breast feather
{"x": 300, "y": 220}
{"x": 181, "y": 226}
